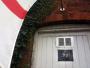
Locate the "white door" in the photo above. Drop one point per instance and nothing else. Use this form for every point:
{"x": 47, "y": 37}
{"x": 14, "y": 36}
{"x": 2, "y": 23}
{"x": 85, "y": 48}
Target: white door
{"x": 61, "y": 50}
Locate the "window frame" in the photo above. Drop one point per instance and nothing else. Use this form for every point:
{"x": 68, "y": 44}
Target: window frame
{"x": 62, "y": 59}
{"x": 64, "y": 46}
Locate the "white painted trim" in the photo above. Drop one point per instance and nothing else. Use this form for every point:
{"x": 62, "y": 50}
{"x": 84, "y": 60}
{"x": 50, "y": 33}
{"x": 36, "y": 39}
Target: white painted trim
{"x": 57, "y": 44}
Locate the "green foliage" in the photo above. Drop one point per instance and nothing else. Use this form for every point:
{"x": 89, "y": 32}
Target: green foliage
{"x": 41, "y": 9}
{"x": 33, "y": 18}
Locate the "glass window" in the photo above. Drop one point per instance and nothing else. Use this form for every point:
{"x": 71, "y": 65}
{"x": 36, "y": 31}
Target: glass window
{"x": 65, "y": 55}
{"x": 68, "y": 41}
{"x": 64, "y": 41}
{"x": 61, "y": 41}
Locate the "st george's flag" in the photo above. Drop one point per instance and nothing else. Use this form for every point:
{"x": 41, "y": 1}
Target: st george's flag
{"x": 12, "y": 14}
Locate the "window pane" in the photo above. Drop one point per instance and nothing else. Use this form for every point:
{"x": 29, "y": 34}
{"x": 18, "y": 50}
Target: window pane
{"x": 68, "y": 41}
{"x": 61, "y": 41}
{"x": 65, "y": 55}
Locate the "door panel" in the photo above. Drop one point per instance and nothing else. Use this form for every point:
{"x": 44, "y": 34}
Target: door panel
{"x": 46, "y": 51}
{"x": 81, "y": 51}
{"x": 75, "y": 54}
{"x": 87, "y": 50}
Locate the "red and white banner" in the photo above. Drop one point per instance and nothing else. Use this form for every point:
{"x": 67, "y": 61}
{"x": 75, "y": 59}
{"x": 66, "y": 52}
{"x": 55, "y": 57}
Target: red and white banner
{"x": 12, "y": 13}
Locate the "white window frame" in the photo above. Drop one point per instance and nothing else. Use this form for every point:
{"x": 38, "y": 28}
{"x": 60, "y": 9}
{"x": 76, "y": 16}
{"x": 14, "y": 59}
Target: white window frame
{"x": 65, "y": 46}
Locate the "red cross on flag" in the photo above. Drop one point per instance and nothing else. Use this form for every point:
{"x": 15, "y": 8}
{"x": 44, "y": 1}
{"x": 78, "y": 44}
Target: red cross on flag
{"x": 12, "y": 13}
